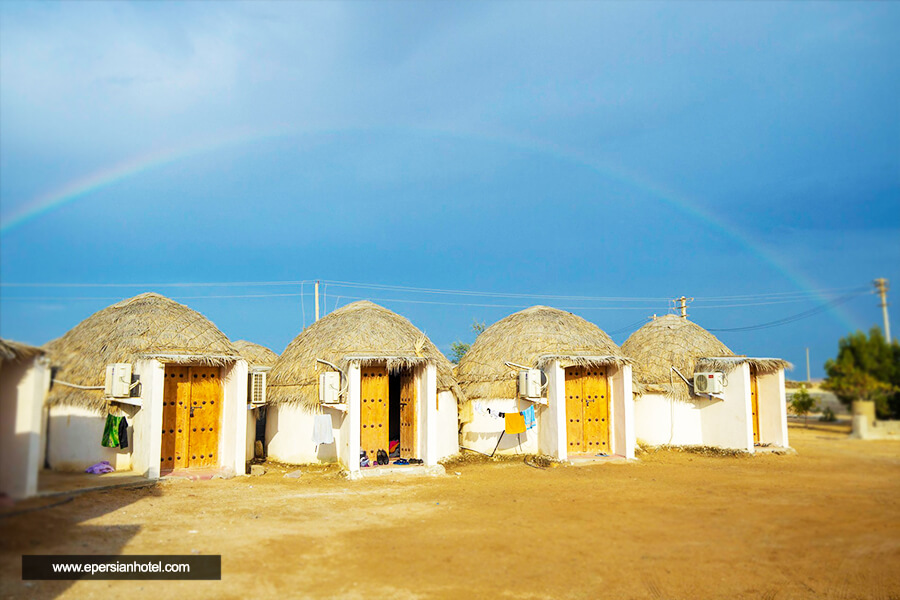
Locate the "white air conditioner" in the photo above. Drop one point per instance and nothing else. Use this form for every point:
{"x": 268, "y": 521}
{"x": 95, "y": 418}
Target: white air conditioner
{"x": 709, "y": 383}
{"x": 530, "y": 383}
{"x": 330, "y": 387}
{"x": 257, "y": 388}
{"x": 118, "y": 380}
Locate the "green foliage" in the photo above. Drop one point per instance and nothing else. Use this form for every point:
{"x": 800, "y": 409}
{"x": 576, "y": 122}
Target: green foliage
{"x": 802, "y": 403}
{"x": 828, "y": 415}
{"x": 866, "y": 368}
{"x": 458, "y": 350}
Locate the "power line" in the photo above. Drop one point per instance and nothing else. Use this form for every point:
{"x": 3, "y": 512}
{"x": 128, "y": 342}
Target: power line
{"x": 797, "y": 317}
{"x": 152, "y": 285}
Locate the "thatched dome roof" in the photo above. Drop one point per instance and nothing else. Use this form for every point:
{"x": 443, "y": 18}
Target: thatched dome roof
{"x": 140, "y": 327}
{"x": 16, "y": 351}
{"x": 531, "y": 337}
{"x": 666, "y": 342}
{"x": 254, "y": 354}
{"x": 361, "y": 330}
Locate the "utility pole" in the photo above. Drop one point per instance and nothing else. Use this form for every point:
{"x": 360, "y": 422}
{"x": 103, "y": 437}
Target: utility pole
{"x": 681, "y": 304}
{"x": 808, "y": 378}
{"x": 317, "y": 299}
{"x": 881, "y": 286}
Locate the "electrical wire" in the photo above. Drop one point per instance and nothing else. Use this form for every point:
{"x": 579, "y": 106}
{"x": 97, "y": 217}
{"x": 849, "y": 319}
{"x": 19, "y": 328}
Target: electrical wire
{"x": 790, "y": 319}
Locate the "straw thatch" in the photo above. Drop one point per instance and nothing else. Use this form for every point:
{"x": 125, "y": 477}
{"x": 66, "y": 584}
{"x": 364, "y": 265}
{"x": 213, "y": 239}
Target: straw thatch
{"x": 254, "y": 354}
{"x": 146, "y": 326}
{"x": 532, "y": 337}
{"x": 361, "y": 331}
{"x": 728, "y": 363}
{"x": 666, "y": 342}
{"x": 16, "y": 351}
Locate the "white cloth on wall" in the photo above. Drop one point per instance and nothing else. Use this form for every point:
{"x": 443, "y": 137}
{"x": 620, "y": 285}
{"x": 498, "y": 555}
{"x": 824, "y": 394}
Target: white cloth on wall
{"x": 322, "y": 433}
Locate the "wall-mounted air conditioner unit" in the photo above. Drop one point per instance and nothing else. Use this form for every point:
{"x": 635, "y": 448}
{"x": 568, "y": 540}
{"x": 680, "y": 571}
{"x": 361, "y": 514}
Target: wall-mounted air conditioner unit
{"x": 530, "y": 383}
{"x": 709, "y": 383}
{"x": 118, "y": 380}
{"x": 330, "y": 387}
{"x": 257, "y": 388}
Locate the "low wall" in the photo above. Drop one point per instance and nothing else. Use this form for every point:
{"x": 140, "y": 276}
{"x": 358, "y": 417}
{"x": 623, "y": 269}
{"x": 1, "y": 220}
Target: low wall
{"x": 289, "y": 429}
{"x": 74, "y": 436}
{"x": 483, "y": 432}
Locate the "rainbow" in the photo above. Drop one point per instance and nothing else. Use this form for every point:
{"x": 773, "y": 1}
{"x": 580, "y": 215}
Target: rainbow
{"x": 103, "y": 178}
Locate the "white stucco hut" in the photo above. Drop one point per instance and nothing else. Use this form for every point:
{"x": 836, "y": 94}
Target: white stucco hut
{"x": 260, "y": 361}
{"x": 393, "y": 385}
{"x": 749, "y": 413}
{"x": 586, "y": 406}
{"x": 187, "y": 407}
{"x": 24, "y": 381}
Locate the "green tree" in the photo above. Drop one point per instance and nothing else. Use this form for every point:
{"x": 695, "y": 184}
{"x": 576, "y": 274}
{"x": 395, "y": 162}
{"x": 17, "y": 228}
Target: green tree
{"x": 458, "y": 349}
{"x": 802, "y": 403}
{"x": 866, "y": 368}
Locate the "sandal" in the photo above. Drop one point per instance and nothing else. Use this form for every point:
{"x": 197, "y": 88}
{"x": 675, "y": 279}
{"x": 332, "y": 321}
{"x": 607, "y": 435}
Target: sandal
{"x": 401, "y": 461}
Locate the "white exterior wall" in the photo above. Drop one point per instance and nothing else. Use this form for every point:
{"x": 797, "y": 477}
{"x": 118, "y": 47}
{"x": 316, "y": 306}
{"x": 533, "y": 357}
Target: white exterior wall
{"x": 772, "y": 401}
{"x": 146, "y": 439}
{"x": 483, "y": 432}
{"x": 448, "y": 425}
{"x": 729, "y": 423}
{"x": 23, "y": 389}
{"x": 348, "y": 454}
{"x": 551, "y": 419}
{"x": 621, "y": 411}
{"x": 289, "y": 435}
{"x": 74, "y": 436}
{"x": 426, "y": 382}
{"x": 660, "y": 420}
{"x": 233, "y": 441}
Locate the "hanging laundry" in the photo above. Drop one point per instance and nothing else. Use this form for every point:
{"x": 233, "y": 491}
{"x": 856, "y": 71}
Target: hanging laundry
{"x": 322, "y": 433}
{"x": 515, "y": 423}
{"x": 111, "y": 432}
{"x": 528, "y": 414}
{"x": 123, "y": 433}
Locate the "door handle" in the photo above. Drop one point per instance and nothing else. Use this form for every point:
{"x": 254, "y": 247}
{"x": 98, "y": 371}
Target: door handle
{"x": 192, "y": 411}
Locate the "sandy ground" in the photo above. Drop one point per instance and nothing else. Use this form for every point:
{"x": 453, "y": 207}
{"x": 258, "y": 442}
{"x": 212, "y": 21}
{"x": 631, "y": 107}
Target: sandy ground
{"x": 822, "y": 524}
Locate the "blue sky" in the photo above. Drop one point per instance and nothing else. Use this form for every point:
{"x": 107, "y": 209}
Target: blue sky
{"x": 591, "y": 150}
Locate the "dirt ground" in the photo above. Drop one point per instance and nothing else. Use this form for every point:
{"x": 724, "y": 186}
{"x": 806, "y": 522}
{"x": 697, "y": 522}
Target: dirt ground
{"x": 822, "y": 524}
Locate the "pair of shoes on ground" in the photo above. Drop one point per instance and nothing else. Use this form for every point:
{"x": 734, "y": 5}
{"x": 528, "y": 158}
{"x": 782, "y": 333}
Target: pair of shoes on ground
{"x": 382, "y": 458}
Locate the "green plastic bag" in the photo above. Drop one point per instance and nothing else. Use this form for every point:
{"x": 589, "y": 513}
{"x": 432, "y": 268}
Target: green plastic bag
{"x": 111, "y": 432}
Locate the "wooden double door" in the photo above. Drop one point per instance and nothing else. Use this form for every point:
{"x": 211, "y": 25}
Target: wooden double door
{"x": 377, "y": 410}
{"x": 192, "y": 417}
{"x": 587, "y": 410}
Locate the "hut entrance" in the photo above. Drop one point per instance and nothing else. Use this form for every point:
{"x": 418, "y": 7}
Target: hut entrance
{"x": 754, "y": 403}
{"x": 192, "y": 409}
{"x": 387, "y": 412}
{"x": 587, "y": 410}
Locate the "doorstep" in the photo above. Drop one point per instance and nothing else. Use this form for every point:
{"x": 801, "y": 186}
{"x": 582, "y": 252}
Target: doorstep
{"x": 198, "y": 474}
{"x": 580, "y": 460}
{"x": 387, "y": 470}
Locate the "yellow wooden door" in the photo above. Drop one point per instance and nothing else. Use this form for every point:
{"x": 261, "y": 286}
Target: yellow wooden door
{"x": 595, "y": 390}
{"x": 574, "y": 409}
{"x": 754, "y": 404}
{"x": 205, "y": 416}
{"x": 374, "y": 405}
{"x": 176, "y": 402}
{"x": 408, "y": 415}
